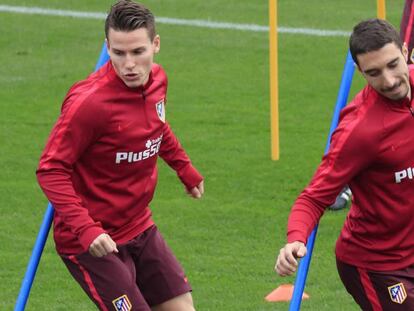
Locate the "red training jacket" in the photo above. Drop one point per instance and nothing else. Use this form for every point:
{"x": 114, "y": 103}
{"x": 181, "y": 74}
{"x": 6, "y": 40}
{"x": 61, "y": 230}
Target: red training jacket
{"x": 372, "y": 150}
{"x": 99, "y": 165}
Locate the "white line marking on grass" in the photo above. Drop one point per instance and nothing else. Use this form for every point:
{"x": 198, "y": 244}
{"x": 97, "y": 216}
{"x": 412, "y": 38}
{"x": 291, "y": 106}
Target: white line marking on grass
{"x": 315, "y": 32}
{"x": 176, "y": 21}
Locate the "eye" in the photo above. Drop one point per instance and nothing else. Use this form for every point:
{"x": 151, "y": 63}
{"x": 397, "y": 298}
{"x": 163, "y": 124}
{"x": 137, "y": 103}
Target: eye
{"x": 116, "y": 52}
{"x": 393, "y": 64}
{"x": 139, "y": 51}
{"x": 373, "y": 74}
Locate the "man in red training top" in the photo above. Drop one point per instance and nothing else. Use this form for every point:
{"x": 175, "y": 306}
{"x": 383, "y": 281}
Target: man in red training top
{"x": 407, "y": 36}
{"x": 99, "y": 171}
{"x": 372, "y": 151}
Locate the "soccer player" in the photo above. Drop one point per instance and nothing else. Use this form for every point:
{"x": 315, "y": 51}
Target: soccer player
{"x": 99, "y": 171}
{"x": 372, "y": 151}
{"x": 407, "y": 36}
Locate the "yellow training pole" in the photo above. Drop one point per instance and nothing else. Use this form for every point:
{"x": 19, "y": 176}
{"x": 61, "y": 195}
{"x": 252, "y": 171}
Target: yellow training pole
{"x": 381, "y": 9}
{"x": 274, "y": 109}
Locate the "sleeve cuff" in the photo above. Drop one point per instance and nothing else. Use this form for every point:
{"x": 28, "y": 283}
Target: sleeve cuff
{"x": 89, "y": 235}
{"x": 296, "y": 236}
{"x": 189, "y": 176}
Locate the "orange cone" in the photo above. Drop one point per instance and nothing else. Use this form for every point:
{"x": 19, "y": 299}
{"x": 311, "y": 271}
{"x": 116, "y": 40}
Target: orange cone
{"x": 283, "y": 293}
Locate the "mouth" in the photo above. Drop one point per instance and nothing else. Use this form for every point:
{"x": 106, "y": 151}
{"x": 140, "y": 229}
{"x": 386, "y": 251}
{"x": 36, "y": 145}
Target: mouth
{"x": 394, "y": 89}
{"x": 131, "y": 76}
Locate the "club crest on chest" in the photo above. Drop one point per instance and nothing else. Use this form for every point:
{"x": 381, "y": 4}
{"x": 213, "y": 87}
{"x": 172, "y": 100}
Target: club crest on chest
{"x": 160, "y": 107}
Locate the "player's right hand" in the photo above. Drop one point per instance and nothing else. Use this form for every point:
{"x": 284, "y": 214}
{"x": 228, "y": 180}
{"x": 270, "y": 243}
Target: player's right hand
{"x": 286, "y": 263}
{"x": 102, "y": 245}
{"x": 196, "y": 192}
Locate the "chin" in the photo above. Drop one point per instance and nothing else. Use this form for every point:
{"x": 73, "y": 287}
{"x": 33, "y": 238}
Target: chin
{"x": 397, "y": 97}
{"x": 133, "y": 84}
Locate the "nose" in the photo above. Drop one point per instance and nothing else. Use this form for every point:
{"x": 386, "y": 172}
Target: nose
{"x": 388, "y": 80}
{"x": 129, "y": 62}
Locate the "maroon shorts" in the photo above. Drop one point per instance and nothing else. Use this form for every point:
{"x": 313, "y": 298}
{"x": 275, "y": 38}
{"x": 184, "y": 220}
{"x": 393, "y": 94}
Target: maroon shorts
{"x": 144, "y": 273}
{"x": 379, "y": 290}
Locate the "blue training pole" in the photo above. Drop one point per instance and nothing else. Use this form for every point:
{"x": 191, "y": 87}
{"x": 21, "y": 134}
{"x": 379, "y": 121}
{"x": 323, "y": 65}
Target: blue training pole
{"x": 34, "y": 260}
{"x": 103, "y": 57}
{"x": 43, "y": 232}
{"x": 341, "y": 100}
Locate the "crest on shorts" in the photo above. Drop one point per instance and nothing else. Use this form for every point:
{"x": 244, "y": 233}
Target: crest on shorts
{"x": 122, "y": 303}
{"x": 397, "y": 293}
{"x": 160, "y": 110}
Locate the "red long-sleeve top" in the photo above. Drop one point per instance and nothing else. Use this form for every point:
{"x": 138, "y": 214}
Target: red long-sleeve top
{"x": 372, "y": 151}
{"x": 99, "y": 169}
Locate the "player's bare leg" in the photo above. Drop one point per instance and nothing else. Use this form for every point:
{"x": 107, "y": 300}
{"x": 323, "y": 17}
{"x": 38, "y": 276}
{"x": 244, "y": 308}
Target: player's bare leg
{"x": 180, "y": 303}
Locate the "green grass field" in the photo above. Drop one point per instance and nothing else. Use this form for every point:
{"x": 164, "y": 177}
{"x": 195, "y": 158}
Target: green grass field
{"x": 219, "y": 108}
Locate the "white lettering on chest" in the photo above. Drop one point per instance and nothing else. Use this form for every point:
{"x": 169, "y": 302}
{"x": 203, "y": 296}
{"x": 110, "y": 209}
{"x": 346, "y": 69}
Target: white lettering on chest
{"x": 407, "y": 173}
{"x": 152, "y": 147}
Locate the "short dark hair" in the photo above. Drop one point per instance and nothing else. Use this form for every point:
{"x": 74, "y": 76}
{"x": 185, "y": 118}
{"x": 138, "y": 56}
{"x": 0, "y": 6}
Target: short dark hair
{"x": 371, "y": 35}
{"x": 127, "y": 15}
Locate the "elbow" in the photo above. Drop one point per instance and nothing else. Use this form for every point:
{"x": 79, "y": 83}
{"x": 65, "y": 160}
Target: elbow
{"x": 41, "y": 177}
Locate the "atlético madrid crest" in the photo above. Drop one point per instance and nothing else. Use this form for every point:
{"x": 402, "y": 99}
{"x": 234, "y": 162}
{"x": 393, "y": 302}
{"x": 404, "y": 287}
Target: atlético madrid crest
{"x": 122, "y": 303}
{"x": 397, "y": 293}
{"x": 160, "y": 110}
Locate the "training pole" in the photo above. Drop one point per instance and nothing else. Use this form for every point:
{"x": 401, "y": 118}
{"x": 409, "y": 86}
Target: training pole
{"x": 274, "y": 83}
{"x": 341, "y": 100}
{"x": 43, "y": 232}
{"x": 103, "y": 57}
{"x": 381, "y": 9}
{"x": 34, "y": 259}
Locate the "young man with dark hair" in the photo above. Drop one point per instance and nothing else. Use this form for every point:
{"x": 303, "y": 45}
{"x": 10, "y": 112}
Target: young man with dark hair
{"x": 99, "y": 171}
{"x": 407, "y": 36}
{"x": 372, "y": 151}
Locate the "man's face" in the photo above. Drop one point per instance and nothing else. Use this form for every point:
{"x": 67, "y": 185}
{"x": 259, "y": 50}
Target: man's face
{"x": 132, "y": 54}
{"x": 386, "y": 71}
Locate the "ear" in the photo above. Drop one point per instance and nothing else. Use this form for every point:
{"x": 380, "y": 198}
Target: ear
{"x": 357, "y": 66}
{"x": 156, "y": 43}
{"x": 404, "y": 51}
{"x": 107, "y": 44}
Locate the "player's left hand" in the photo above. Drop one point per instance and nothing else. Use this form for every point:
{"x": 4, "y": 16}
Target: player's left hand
{"x": 196, "y": 192}
{"x": 287, "y": 263}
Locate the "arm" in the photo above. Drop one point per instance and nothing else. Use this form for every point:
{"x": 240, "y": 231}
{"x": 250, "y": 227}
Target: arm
{"x": 174, "y": 155}
{"x": 74, "y": 131}
{"x": 339, "y": 166}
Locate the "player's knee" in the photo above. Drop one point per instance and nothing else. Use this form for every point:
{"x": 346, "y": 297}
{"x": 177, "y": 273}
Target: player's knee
{"x": 182, "y": 303}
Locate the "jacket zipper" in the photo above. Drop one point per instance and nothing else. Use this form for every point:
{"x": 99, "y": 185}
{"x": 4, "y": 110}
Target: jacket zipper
{"x": 145, "y": 107}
